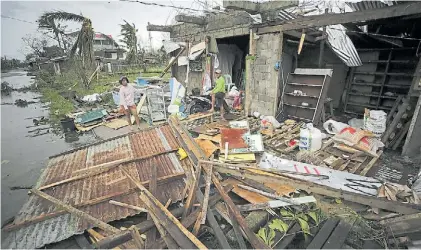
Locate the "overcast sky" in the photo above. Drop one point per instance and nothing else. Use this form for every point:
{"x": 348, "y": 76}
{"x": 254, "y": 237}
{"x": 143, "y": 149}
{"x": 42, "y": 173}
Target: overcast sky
{"x": 105, "y": 15}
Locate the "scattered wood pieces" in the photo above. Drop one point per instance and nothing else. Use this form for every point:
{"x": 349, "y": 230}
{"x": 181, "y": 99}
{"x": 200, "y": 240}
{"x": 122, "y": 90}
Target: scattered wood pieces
{"x": 181, "y": 235}
{"x": 104, "y": 226}
{"x": 140, "y": 244}
{"x": 275, "y": 204}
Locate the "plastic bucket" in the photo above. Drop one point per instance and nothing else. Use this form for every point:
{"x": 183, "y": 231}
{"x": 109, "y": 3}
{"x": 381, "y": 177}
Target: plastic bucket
{"x": 116, "y": 98}
{"x": 141, "y": 82}
{"x": 68, "y": 124}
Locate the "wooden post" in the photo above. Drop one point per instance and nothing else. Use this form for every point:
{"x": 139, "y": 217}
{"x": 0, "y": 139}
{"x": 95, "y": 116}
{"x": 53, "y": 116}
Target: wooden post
{"x": 322, "y": 44}
{"x": 104, "y": 226}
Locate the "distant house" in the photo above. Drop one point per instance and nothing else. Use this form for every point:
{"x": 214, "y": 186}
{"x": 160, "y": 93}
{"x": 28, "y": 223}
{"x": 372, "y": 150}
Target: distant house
{"x": 107, "y": 49}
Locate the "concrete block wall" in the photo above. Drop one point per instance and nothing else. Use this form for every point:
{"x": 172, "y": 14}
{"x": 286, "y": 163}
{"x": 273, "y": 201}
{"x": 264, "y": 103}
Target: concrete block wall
{"x": 264, "y": 77}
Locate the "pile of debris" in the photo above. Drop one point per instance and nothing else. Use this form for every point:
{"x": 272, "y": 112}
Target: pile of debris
{"x": 235, "y": 185}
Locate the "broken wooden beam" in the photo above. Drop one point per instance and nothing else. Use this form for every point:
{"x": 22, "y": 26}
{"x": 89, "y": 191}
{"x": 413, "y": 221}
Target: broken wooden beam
{"x": 308, "y": 186}
{"x": 252, "y": 238}
{"x": 397, "y": 10}
{"x": 160, "y": 28}
{"x": 151, "y": 234}
{"x": 181, "y": 235}
{"x": 402, "y": 225}
{"x": 134, "y": 232}
{"x": 121, "y": 204}
{"x": 122, "y": 237}
{"x": 101, "y": 168}
{"x": 190, "y": 19}
{"x": 237, "y": 230}
{"x": 169, "y": 241}
{"x": 192, "y": 192}
{"x": 254, "y": 8}
{"x": 94, "y": 221}
{"x": 161, "y": 180}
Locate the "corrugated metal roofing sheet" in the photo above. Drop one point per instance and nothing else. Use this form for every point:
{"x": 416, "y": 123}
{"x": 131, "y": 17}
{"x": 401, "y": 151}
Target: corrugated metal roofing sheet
{"x": 83, "y": 193}
{"x": 367, "y": 5}
{"x": 342, "y": 45}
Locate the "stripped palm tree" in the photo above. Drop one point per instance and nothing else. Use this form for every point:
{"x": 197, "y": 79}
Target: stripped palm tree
{"x": 47, "y": 23}
{"x": 83, "y": 44}
{"x": 128, "y": 32}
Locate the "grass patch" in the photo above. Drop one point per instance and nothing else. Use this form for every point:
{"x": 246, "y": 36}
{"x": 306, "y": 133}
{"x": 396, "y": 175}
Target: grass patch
{"x": 59, "y": 106}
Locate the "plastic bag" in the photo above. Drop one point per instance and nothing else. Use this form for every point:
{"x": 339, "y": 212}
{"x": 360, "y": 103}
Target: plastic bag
{"x": 334, "y": 127}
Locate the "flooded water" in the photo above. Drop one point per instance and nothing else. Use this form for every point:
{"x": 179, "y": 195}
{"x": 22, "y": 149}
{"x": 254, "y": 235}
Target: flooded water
{"x": 24, "y": 157}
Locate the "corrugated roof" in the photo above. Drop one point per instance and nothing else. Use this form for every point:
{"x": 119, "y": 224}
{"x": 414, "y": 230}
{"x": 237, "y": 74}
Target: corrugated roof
{"x": 342, "y": 45}
{"x": 367, "y": 5}
{"x": 83, "y": 193}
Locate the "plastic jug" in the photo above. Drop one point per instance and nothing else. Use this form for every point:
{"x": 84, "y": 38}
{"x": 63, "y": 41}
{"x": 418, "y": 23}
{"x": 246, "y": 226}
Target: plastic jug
{"x": 310, "y": 138}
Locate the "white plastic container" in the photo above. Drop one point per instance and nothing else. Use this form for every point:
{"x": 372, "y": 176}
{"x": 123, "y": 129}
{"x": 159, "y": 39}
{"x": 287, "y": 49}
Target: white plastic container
{"x": 310, "y": 138}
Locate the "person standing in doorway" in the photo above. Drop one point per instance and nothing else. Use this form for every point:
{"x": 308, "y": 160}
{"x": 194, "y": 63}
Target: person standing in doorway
{"x": 127, "y": 105}
{"x": 218, "y": 93}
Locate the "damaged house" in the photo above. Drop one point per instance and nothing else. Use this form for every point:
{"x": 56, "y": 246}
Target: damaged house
{"x": 309, "y": 66}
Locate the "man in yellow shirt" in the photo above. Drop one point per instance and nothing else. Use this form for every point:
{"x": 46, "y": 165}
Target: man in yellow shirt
{"x": 218, "y": 93}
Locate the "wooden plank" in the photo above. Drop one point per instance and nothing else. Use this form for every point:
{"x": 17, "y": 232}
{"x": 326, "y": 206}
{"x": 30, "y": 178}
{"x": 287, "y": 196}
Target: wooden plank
{"x": 401, "y": 134}
{"x": 350, "y": 17}
{"x": 339, "y": 235}
{"x": 394, "y": 108}
{"x": 392, "y": 126}
{"x": 150, "y": 200}
{"x": 151, "y": 234}
{"x": 309, "y": 186}
{"x": 237, "y": 230}
{"x": 323, "y": 234}
{"x": 192, "y": 193}
{"x": 101, "y": 168}
{"x": 219, "y": 234}
{"x": 274, "y": 196}
{"x": 371, "y": 163}
{"x": 104, "y": 226}
{"x": 121, "y": 204}
{"x": 292, "y": 232}
{"x": 122, "y": 237}
{"x": 275, "y": 204}
{"x": 138, "y": 108}
{"x": 134, "y": 232}
{"x": 161, "y": 180}
{"x": 252, "y": 238}
{"x": 169, "y": 241}
{"x": 206, "y": 197}
{"x": 402, "y": 225}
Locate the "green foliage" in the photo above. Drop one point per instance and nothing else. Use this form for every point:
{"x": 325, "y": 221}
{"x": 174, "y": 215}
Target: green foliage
{"x": 302, "y": 218}
{"x": 59, "y": 106}
{"x": 128, "y": 32}
{"x": 278, "y": 224}
{"x": 267, "y": 236}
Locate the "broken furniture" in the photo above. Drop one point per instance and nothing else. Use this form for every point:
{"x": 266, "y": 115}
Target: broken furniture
{"x": 156, "y": 104}
{"x": 305, "y": 93}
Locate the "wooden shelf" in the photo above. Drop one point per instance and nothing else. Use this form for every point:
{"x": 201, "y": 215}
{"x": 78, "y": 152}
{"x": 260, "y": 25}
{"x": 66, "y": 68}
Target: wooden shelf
{"x": 369, "y": 106}
{"x": 299, "y": 118}
{"x": 376, "y": 49}
{"x": 379, "y": 85}
{"x": 372, "y": 95}
{"x": 391, "y": 61}
{"x": 303, "y": 84}
{"x": 309, "y": 96}
{"x": 298, "y": 106}
{"x": 382, "y": 73}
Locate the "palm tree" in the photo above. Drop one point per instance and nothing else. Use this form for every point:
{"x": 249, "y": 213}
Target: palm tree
{"x": 83, "y": 44}
{"x": 128, "y": 32}
{"x": 45, "y": 22}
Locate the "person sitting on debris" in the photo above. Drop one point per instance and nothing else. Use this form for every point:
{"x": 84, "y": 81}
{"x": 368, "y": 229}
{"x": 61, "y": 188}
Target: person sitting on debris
{"x": 127, "y": 104}
{"x": 218, "y": 93}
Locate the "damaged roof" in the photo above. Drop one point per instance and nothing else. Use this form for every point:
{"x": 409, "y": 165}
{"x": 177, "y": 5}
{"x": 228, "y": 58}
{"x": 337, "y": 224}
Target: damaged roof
{"x": 91, "y": 195}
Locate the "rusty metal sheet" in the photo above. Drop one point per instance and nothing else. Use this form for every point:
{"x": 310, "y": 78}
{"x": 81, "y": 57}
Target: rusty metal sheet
{"x": 106, "y": 185}
{"x": 234, "y": 137}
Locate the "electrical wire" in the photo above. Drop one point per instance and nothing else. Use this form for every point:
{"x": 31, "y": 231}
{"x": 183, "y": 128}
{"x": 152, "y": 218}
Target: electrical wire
{"x": 17, "y": 19}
